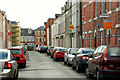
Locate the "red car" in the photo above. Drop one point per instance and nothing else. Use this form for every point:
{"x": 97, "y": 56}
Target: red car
{"x": 59, "y": 54}
{"x": 104, "y": 63}
{"x": 19, "y": 56}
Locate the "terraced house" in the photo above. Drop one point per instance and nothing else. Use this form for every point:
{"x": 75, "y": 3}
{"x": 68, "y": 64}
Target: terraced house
{"x": 27, "y": 37}
{"x": 5, "y": 31}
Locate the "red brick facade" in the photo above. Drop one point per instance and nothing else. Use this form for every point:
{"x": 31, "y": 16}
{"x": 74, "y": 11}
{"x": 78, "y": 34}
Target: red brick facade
{"x": 93, "y": 10}
{"x": 48, "y": 25}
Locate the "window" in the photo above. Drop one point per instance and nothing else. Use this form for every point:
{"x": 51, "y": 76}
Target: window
{"x": 110, "y": 5}
{"x": 21, "y": 38}
{"x": 32, "y": 44}
{"x": 36, "y": 39}
{"x": 29, "y": 38}
{"x": 40, "y": 40}
{"x": 119, "y": 3}
{"x": 21, "y": 44}
{"x": 32, "y": 38}
{"x": 91, "y": 11}
{"x": 96, "y": 9}
{"x": 3, "y": 55}
{"x": 29, "y": 30}
{"x": 25, "y": 38}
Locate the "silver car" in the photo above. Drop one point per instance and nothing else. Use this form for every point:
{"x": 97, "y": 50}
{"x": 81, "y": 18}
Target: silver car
{"x": 8, "y": 65}
{"x": 70, "y": 55}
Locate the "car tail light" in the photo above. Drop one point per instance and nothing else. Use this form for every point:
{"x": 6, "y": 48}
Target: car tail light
{"x": 48, "y": 49}
{"x": 53, "y": 51}
{"x": 8, "y": 65}
{"x": 105, "y": 56}
{"x": 21, "y": 56}
{"x": 85, "y": 57}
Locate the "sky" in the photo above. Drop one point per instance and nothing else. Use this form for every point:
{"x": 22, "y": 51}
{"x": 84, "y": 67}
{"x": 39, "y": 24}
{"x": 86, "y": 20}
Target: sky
{"x": 31, "y": 13}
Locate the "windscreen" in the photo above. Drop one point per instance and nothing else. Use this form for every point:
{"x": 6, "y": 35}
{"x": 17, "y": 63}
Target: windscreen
{"x": 73, "y": 51}
{"x": 87, "y": 51}
{"x": 3, "y": 55}
{"x": 113, "y": 52}
{"x": 15, "y": 51}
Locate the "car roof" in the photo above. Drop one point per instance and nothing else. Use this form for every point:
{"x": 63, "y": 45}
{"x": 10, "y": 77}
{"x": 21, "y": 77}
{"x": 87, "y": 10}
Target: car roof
{"x": 4, "y": 50}
{"x": 14, "y": 48}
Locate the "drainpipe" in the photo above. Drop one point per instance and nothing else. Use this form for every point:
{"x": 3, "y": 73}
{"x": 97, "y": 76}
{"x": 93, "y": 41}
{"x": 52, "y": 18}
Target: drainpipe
{"x": 80, "y": 23}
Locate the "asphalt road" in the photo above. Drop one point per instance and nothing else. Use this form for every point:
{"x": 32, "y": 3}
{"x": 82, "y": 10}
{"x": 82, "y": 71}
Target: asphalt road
{"x": 40, "y": 66}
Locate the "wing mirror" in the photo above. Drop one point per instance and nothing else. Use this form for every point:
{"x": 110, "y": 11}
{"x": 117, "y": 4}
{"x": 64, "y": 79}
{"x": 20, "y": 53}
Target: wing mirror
{"x": 66, "y": 53}
{"x": 74, "y": 54}
{"x": 90, "y": 55}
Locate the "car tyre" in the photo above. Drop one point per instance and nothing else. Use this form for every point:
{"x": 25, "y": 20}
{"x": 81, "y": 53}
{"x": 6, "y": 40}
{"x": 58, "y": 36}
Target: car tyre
{"x": 15, "y": 77}
{"x": 77, "y": 68}
{"x": 24, "y": 65}
{"x": 87, "y": 73}
{"x": 68, "y": 63}
{"x": 73, "y": 67}
{"x": 98, "y": 75}
{"x": 65, "y": 63}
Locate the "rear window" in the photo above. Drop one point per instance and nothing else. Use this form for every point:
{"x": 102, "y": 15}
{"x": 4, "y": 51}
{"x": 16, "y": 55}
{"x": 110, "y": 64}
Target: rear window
{"x": 87, "y": 52}
{"x": 51, "y": 47}
{"x": 113, "y": 52}
{"x": 15, "y": 51}
{"x": 62, "y": 49}
{"x": 3, "y": 55}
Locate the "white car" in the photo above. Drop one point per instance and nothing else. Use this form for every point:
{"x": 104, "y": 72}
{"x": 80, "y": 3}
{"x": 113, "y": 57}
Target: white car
{"x": 70, "y": 55}
{"x": 8, "y": 65}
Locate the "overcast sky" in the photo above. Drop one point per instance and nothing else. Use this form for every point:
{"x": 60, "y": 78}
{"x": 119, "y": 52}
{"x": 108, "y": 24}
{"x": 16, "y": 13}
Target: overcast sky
{"x": 31, "y": 13}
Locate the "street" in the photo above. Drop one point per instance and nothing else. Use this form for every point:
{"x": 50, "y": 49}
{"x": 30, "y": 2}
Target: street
{"x": 39, "y": 65}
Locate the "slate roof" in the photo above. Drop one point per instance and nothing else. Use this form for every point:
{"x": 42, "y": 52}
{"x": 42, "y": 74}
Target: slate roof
{"x": 13, "y": 22}
{"x": 24, "y": 32}
{"x": 40, "y": 28}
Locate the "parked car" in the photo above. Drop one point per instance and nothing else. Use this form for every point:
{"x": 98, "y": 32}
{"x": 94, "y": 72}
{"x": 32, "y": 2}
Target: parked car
{"x": 43, "y": 49}
{"x": 8, "y": 65}
{"x": 49, "y": 50}
{"x": 104, "y": 63}
{"x": 53, "y": 51}
{"x": 70, "y": 55}
{"x": 59, "y": 54}
{"x": 81, "y": 58}
{"x": 23, "y": 48}
{"x": 19, "y": 56}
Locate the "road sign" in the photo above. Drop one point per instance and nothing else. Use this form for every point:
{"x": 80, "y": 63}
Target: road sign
{"x": 108, "y": 24}
{"x": 71, "y": 27}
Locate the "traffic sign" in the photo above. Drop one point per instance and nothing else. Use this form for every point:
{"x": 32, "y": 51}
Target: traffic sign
{"x": 71, "y": 27}
{"x": 108, "y": 24}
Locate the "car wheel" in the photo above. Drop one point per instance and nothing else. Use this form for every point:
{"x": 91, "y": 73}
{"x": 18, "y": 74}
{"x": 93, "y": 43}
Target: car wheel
{"x": 87, "y": 73}
{"x": 98, "y": 75}
{"x": 68, "y": 63}
{"x": 77, "y": 68}
{"x": 65, "y": 63}
{"x": 73, "y": 67}
{"x": 54, "y": 59}
{"x": 15, "y": 77}
{"x": 24, "y": 64}
{"x": 17, "y": 74}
